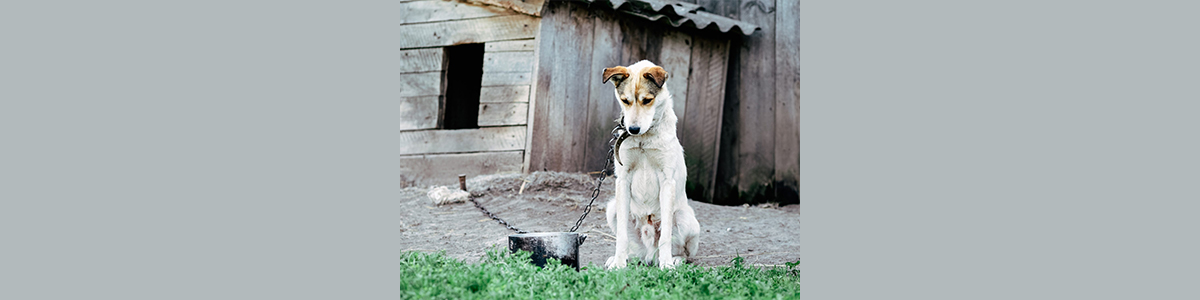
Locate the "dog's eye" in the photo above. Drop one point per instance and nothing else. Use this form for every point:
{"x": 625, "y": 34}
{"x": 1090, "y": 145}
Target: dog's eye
{"x": 646, "y": 101}
{"x": 625, "y": 100}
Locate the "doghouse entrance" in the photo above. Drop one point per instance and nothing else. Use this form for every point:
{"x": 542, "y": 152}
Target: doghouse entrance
{"x": 464, "y": 75}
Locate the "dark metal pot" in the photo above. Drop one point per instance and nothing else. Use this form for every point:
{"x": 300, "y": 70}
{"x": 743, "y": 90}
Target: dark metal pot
{"x": 563, "y": 246}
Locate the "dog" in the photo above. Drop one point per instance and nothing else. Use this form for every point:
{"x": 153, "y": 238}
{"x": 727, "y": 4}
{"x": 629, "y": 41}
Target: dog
{"x": 650, "y": 204}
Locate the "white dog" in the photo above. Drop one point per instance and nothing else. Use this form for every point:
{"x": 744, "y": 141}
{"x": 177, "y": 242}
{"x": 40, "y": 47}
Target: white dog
{"x": 650, "y": 200}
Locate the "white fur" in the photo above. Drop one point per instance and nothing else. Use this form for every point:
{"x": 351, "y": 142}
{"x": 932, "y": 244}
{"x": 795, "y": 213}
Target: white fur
{"x": 651, "y": 178}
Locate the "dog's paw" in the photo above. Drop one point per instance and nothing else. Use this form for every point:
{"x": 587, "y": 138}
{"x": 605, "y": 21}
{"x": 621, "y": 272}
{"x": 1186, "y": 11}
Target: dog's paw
{"x": 614, "y": 263}
{"x": 670, "y": 262}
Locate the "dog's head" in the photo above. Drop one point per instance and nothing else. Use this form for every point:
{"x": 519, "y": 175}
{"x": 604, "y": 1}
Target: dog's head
{"x": 641, "y": 93}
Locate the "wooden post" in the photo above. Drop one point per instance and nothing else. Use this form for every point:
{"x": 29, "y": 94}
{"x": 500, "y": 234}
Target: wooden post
{"x": 462, "y": 181}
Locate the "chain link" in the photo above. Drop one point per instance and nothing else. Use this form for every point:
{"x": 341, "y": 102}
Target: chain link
{"x": 618, "y": 134}
{"x": 494, "y": 217}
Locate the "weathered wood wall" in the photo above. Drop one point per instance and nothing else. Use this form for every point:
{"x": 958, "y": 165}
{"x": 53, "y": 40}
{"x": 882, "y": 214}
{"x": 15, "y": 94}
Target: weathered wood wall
{"x": 737, "y": 97}
{"x": 787, "y": 101}
{"x": 430, "y": 155}
{"x": 760, "y": 138}
{"x": 573, "y": 110}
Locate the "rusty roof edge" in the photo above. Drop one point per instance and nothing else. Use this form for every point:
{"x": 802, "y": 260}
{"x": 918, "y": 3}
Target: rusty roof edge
{"x": 677, "y": 14}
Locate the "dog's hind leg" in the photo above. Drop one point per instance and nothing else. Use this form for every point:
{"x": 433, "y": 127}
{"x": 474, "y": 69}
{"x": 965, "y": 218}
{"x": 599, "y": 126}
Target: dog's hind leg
{"x": 687, "y": 238}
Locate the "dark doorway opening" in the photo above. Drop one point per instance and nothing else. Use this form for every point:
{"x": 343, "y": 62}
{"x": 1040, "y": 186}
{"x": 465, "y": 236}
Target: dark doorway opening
{"x": 464, "y": 74}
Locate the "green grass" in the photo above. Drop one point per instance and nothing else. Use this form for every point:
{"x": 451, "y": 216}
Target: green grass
{"x": 501, "y": 275}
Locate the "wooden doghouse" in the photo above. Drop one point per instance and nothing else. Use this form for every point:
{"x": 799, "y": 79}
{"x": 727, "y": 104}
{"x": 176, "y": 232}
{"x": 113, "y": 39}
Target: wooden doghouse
{"x": 541, "y": 104}
{"x": 465, "y": 82}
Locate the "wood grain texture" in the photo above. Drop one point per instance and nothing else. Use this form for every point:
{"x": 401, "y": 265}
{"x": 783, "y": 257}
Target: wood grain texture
{"x": 467, "y": 31}
{"x": 418, "y": 112}
{"x": 676, "y": 57}
{"x": 561, "y": 98}
{"x": 421, "y": 60}
{"x": 498, "y": 114}
{"x": 538, "y": 149}
{"x": 420, "y": 84}
{"x": 537, "y": 53}
{"x": 506, "y": 78}
{"x": 723, "y": 166}
{"x": 517, "y": 45}
{"x": 443, "y": 169}
{"x": 518, "y": 61}
{"x": 748, "y": 160}
{"x": 602, "y": 103}
{"x": 640, "y": 40}
{"x": 442, "y": 10}
{"x": 462, "y": 140}
{"x": 529, "y": 7}
{"x": 501, "y": 94}
{"x": 706, "y": 87}
{"x": 787, "y": 101}
{"x": 575, "y": 74}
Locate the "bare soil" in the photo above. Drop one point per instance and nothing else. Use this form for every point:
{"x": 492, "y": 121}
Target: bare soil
{"x": 764, "y": 235}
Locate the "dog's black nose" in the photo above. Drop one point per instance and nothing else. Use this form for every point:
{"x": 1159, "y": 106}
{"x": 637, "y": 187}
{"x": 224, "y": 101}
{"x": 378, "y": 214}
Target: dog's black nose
{"x": 634, "y": 129}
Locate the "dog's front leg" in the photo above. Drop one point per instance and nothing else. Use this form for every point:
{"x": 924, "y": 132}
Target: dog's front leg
{"x": 619, "y": 258}
{"x": 666, "y": 204}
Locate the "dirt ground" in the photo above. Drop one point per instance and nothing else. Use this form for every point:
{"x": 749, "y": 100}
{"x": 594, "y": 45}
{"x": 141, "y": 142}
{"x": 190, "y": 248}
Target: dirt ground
{"x": 764, "y": 235}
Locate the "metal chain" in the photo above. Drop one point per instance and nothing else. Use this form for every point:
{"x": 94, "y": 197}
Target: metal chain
{"x": 494, "y": 217}
{"x": 618, "y": 134}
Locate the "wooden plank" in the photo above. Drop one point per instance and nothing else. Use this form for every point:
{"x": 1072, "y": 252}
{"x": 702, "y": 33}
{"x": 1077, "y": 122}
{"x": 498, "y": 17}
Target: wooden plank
{"x": 787, "y": 101}
{"x": 574, "y": 97}
{"x": 749, "y": 162}
{"x": 418, "y": 112}
{"x": 640, "y": 40}
{"x": 468, "y": 31}
{"x": 529, "y": 7}
{"x": 533, "y": 103}
{"x": 517, "y": 45}
{"x": 506, "y": 78}
{"x": 462, "y": 140}
{"x": 443, "y": 169}
{"x": 559, "y": 132}
{"x": 420, "y": 84}
{"x": 442, "y": 10}
{"x": 421, "y": 60}
{"x": 441, "y": 117}
{"x": 676, "y": 55}
{"x": 602, "y": 104}
{"x": 555, "y": 134}
{"x": 706, "y": 97}
{"x": 537, "y": 152}
{"x": 519, "y": 61}
{"x": 501, "y": 94}
{"x": 499, "y": 114}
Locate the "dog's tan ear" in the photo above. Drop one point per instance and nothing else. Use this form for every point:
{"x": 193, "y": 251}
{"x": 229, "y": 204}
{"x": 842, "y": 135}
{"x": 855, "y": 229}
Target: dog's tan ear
{"x": 616, "y": 74}
{"x": 656, "y": 74}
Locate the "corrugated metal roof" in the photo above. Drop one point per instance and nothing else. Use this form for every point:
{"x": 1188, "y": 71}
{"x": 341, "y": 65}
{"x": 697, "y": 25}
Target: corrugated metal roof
{"x": 678, "y": 14}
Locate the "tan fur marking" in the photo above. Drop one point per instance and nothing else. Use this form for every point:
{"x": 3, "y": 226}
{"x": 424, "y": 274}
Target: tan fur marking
{"x": 620, "y": 71}
{"x": 656, "y": 74}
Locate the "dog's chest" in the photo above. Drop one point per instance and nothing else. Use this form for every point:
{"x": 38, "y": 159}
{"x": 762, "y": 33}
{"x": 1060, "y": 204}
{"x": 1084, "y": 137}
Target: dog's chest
{"x": 643, "y": 187}
{"x": 643, "y": 164}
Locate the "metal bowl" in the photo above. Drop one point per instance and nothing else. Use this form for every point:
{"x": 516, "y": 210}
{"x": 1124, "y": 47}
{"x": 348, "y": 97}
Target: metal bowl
{"x": 563, "y": 246}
